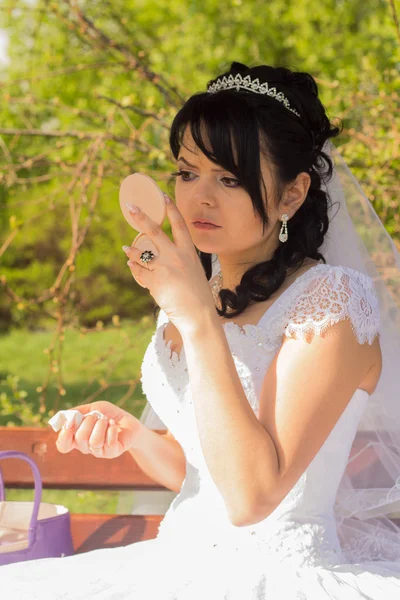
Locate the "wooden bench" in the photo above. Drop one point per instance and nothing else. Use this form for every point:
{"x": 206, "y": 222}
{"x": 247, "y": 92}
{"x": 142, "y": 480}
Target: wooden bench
{"x": 77, "y": 471}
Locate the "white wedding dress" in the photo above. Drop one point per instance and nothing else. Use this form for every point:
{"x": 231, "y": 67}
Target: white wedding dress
{"x": 198, "y": 554}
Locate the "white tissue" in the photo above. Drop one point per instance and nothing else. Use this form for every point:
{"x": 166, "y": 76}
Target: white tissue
{"x": 71, "y": 415}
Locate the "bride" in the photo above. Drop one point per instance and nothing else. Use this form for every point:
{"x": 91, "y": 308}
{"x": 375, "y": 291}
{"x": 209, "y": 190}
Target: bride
{"x": 273, "y": 368}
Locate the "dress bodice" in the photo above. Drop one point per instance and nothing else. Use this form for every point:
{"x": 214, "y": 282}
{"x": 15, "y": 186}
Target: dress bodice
{"x": 317, "y": 299}
{"x": 294, "y": 553}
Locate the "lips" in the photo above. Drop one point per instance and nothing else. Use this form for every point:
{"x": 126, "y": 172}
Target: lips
{"x": 206, "y": 223}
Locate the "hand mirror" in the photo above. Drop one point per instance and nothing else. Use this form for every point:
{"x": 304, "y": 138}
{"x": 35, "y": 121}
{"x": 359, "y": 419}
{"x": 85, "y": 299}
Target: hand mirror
{"x": 142, "y": 190}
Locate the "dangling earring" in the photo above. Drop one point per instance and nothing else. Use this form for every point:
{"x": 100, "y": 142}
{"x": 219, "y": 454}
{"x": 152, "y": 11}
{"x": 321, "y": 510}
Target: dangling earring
{"x": 283, "y": 234}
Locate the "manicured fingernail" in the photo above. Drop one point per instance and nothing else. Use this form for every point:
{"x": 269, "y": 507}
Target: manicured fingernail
{"x": 132, "y": 208}
{"x": 125, "y": 248}
{"x": 112, "y": 422}
{"x": 167, "y": 199}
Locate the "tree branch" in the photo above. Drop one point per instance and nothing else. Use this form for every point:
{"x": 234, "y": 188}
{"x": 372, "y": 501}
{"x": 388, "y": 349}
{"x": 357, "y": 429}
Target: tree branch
{"x": 80, "y": 135}
{"x": 170, "y": 93}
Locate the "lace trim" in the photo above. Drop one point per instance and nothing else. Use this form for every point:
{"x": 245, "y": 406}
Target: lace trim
{"x": 327, "y": 295}
{"x": 261, "y": 335}
{"x": 342, "y": 293}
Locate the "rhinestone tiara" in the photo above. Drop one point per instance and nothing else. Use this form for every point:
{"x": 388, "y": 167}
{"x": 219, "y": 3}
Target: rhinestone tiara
{"x": 245, "y": 83}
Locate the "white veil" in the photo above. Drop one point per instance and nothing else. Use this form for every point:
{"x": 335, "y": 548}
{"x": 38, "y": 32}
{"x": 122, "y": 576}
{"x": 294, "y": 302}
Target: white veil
{"x": 370, "y": 488}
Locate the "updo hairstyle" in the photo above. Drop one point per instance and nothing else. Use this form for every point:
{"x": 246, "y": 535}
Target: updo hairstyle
{"x": 258, "y": 123}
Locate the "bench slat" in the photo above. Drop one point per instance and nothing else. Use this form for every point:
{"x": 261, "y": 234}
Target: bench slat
{"x": 74, "y": 470}
{"x": 90, "y": 532}
{"x": 80, "y": 471}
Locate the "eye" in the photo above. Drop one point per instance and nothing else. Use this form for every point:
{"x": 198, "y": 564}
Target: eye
{"x": 232, "y": 179}
{"x": 183, "y": 174}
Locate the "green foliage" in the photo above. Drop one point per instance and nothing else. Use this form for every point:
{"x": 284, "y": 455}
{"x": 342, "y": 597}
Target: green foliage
{"x": 99, "y": 364}
{"x": 14, "y": 408}
{"x": 88, "y": 98}
{"x": 81, "y": 502}
{"x": 102, "y": 82}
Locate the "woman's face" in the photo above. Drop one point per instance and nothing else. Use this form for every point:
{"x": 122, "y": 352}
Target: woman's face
{"x": 207, "y": 191}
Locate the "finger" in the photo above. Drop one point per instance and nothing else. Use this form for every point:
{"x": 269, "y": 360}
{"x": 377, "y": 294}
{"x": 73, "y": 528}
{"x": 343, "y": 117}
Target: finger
{"x": 100, "y": 405}
{"x": 110, "y": 410}
{"x": 133, "y": 253}
{"x": 97, "y": 438}
{"x": 128, "y": 251}
{"x": 142, "y": 274}
{"x": 125, "y": 439}
{"x": 103, "y": 406}
{"x": 65, "y": 439}
{"x": 134, "y": 256}
{"x": 150, "y": 228}
{"x": 97, "y": 452}
{"x": 118, "y": 440}
{"x": 180, "y": 230}
{"x": 112, "y": 446}
{"x": 111, "y": 434}
{"x": 84, "y": 432}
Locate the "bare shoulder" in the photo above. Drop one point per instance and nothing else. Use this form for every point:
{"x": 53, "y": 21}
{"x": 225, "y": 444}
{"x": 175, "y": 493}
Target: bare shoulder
{"x": 372, "y": 353}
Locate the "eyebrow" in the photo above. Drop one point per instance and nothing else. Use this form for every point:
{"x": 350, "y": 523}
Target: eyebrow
{"x": 194, "y": 166}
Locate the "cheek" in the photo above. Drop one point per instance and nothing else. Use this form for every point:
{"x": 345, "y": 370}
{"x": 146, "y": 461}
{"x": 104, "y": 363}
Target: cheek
{"x": 179, "y": 194}
{"x": 247, "y": 223}
{"x": 180, "y": 204}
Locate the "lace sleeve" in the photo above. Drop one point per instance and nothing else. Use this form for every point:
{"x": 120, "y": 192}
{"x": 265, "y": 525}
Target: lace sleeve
{"x": 341, "y": 293}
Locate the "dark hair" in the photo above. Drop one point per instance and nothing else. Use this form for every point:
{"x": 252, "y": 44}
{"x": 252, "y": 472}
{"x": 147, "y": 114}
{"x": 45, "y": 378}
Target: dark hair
{"x": 292, "y": 144}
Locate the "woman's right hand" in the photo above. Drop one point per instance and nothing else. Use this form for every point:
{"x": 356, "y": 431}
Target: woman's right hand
{"x": 107, "y": 438}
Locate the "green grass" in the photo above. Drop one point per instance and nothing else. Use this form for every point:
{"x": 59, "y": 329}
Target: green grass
{"x": 81, "y": 501}
{"x": 114, "y": 354}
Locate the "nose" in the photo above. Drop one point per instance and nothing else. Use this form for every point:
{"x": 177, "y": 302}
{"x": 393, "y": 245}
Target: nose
{"x": 203, "y": 191}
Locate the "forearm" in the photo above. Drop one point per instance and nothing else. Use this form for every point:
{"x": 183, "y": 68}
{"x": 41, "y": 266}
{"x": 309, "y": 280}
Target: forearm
{"x": 239, "y": 452}
{"x": 160, "y": 458}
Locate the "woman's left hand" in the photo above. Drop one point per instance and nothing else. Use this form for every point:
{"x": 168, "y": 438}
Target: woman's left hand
{"x": 175, "y": 278}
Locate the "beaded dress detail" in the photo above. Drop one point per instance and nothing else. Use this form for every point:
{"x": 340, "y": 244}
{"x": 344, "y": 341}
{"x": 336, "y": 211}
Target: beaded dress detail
{"x": 294, "y": 553}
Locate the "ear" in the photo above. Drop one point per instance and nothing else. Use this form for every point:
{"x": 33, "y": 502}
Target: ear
{"x": 295, "y": 194}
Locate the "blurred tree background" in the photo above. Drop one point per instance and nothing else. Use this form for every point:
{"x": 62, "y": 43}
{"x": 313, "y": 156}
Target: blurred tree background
{"x": 88, "y": 96}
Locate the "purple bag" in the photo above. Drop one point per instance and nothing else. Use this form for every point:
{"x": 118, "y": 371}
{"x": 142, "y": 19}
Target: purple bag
{"x": 32, "y": 530}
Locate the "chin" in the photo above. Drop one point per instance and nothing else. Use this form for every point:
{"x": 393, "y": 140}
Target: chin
{"x": 206, "y": 249}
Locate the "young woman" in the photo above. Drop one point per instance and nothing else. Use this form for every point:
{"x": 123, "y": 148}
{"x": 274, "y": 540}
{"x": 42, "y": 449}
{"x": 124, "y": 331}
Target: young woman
{"x": 269, "y": 361}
